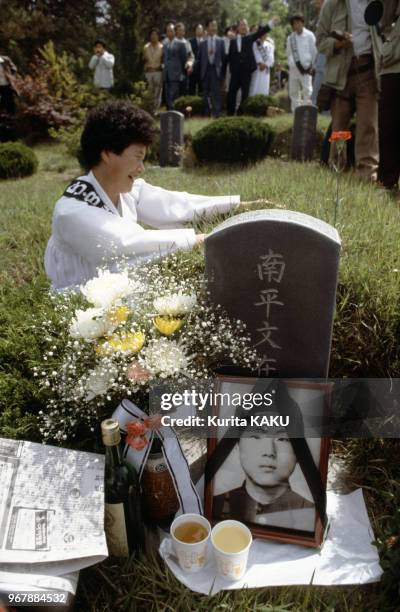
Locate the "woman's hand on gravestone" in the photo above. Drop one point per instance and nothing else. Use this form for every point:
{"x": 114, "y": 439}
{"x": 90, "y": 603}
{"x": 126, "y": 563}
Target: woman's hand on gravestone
{"x": 199, "y": 240}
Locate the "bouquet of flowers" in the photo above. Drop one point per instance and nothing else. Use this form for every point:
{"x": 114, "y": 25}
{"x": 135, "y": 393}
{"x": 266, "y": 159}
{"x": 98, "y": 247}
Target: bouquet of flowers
{"x": 124, "y": 330}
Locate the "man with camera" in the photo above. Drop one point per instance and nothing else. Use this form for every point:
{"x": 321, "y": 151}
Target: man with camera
{"x": 102, "y": 62}
{"x": 351, "y": 64}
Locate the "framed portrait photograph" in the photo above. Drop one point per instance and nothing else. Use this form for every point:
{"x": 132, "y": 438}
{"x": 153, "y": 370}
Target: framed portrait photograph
{"x": 260, "y": 481}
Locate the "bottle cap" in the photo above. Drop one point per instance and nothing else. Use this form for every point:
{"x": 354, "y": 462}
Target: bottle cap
{"x": 110, "y": 432}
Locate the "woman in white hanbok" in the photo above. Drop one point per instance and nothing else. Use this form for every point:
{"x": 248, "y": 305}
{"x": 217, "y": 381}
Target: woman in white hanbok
{"x": 263, "y": 50}
{"x": 98, "y": 218}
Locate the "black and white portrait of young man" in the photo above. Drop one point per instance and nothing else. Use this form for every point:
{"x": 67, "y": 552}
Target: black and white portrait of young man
{"x": 261, "y": 482}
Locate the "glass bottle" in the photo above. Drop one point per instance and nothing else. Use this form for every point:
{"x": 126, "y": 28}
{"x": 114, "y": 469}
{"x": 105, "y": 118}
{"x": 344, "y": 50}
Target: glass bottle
{"x": 123, "y": 517}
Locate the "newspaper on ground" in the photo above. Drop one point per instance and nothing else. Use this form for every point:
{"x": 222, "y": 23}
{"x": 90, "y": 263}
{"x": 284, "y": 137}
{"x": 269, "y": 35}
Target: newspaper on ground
{"x": 51, "y": 515}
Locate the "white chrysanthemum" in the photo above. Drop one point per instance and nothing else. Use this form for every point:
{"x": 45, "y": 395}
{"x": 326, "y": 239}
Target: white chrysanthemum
{"x": 91, "y": 323}
{"x": 108, "y": 287}
{"x": 163, "y": 357}
{"x": 175, "y": 305}
{"x": 99, "y": 381}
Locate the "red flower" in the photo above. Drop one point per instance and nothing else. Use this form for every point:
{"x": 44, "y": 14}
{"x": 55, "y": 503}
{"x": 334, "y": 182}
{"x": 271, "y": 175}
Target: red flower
{"x": 135, "y": 428}
{"x": 137, "y": 442}
{"x": 392, "y": 540}
{"x": 344, "y": 135}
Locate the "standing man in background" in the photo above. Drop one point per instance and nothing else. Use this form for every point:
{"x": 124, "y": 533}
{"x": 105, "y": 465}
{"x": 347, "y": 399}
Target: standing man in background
{"x": 351, "y": 58}
{"x": 389, "y": 115}
{"x": 320, "y": 63}
{"x": 102, "y": 62}
{"x": 194, "y": 79}
{"x": 301, "y": 51}
{"x": 212, "y": 67}
{"x": 8, "y": 89}
{"x": 242, "y": 62}
{"x": 152, "y": 54}
{"x": 229, "y": 34}
{"x": 174, "y": 61}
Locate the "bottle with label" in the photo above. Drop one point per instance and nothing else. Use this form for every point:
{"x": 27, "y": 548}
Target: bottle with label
{"x": 123, "y": 517}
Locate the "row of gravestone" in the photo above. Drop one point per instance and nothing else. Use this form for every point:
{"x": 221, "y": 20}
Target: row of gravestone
{"x": 303, "y": 140}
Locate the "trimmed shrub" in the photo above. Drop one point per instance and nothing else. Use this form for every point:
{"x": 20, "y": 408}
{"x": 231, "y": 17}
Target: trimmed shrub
{"x": 281, "y": 100}
{"x": 256, "y": 106}
{"x": 233, "y": 140}
{"x": 195, "y": 102}
{"x": 16, "y": 160}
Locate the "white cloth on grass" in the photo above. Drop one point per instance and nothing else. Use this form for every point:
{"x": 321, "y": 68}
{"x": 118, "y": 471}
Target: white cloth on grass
{"x": 85, "y": 236}
{"x": 347, "y": 556}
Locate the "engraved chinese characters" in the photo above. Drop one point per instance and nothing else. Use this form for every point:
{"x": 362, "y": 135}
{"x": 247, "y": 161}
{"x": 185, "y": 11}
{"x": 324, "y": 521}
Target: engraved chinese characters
{"x": 304, "y": 133}
{"x": 171, "y": 138}
{"x": 277, "y": 271}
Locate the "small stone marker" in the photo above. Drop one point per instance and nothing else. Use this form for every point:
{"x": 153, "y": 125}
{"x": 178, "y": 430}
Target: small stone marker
{"x": 171, "y": 138}
{"x": 304, "y": 133}
{"x": 277, "y": 271}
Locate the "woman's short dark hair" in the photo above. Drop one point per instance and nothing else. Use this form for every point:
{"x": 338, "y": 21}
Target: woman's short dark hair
{"x": 100, "y": 41}
{"x": 154, "y": 31}
{"x": 114, "y": 126}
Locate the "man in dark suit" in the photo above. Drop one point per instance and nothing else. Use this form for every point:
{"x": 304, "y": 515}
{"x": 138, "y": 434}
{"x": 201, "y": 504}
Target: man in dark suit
{"x": 242, "y": 62}
{"x": 8, "y": 89}
{"x": 194, "y": 79}
{"x": 212, "y": 67}
{"x": 174, "y": 60}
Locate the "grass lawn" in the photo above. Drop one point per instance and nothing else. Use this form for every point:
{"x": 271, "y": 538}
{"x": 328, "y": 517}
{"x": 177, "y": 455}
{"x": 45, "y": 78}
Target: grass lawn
{"x": 365, "y": 343}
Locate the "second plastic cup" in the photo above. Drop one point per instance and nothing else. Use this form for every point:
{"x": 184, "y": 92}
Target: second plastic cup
{"x": 231, "y": 541}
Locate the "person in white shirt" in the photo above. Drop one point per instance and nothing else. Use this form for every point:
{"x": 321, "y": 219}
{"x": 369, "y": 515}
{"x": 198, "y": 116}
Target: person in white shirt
{"x": 97, "y": 218}
{"x": 263, "y": 50}
{"x": 302, "y": 52}
{"x": 102, "y": 63}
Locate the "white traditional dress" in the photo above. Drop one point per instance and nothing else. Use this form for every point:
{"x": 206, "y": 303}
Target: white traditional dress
{"x": 88, "y": 230}
{"x": 260, "y": 79}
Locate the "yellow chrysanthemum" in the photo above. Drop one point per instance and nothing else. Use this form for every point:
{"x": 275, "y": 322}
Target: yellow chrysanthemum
{"x": 119, "y": 315}
{"x": 122, "y": 343}
{"x": 167, "y": 325}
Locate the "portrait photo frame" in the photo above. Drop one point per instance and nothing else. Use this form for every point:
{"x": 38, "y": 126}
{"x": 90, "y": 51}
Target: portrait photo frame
{"x": 295, "y": 517}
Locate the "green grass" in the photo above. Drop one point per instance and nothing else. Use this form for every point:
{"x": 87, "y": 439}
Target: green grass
{"x": 365, "y": 343}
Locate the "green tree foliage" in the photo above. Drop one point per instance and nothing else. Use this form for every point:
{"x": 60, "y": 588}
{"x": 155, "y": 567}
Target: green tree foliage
{"x": 248, "y": 9}
{"x": 122, "y": 34}
{"x": 26, "y": 25}
{"x": 306, "y": 8}
{"x": 279, "y": 8}
{"x": 190, "y": 12}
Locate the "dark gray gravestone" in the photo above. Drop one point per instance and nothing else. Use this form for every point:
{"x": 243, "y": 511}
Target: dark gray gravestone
{"x": 304, "y": 133}
{"x": 171, "y": 138}
{"x": 276, "y": 270}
